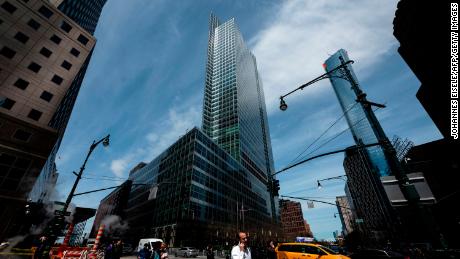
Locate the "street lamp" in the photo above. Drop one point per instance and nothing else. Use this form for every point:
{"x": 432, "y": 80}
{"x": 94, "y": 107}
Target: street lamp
{"x": 283, "y": 105}
{"x": 105, "y": 142}
{"x": 342, "y": 177}
{"x": 58, "y": 221}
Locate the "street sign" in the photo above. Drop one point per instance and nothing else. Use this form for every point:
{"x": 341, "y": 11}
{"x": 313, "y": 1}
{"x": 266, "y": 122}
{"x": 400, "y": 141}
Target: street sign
{"x": 60, "y": 212}
{"x": 359, "y": 220}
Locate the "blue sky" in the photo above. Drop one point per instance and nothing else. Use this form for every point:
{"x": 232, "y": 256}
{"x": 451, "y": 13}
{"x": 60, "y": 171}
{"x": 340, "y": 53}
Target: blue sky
{"x": 145, "y": 83}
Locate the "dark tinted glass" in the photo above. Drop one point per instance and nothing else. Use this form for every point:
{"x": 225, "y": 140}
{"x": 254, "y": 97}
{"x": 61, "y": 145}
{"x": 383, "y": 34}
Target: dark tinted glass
{"x": 7, "y": 103}
{"x": 9, "y": 7}
{"x": 7, "y": 52}
{"x": 46, "y": 52}
{"x": 83, "y": 39}
{"x": 55, "y": 39}
{"x": 47, "y": 96}
{"x": 34, "y": 67}
{"x": 21, "y": 37}
{"x": 34, "y": 114}
{"x": 75, "y": 52}
{"x": 22, "y": 135}
{"x": 65, "y": 26}
{"x": 21, "y": 83}
{"x": 45, "y": 12}
{"x": 57, "y": 79}
{"x": 33, "y": 24}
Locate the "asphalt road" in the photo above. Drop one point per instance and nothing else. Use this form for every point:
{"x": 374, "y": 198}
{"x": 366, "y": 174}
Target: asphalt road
{"x": 170, "y": 256}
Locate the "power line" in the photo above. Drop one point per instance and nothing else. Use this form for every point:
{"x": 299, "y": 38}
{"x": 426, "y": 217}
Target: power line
{"x": 322, "y": 134}
{"x": 340, "y": 133}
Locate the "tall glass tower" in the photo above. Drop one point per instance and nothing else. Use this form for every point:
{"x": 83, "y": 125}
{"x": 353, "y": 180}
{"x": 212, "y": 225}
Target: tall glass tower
{"x": 361, "y": 128}
{"x": 234, "y": 111}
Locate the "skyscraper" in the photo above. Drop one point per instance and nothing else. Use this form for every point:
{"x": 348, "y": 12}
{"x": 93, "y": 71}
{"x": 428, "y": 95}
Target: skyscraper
{"x": 85, "y": 13}
{"x": 370, "y": 201}
{"x": 217, "y": 180}
{"x": 360, "y": 126}
{"x": 42, "y": 54}
{"x": 234, "y": 111}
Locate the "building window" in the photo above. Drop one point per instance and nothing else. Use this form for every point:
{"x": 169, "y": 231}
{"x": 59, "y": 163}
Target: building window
{"x": 75, "y": 52}
{"x": 21, "y": 83}
{"x": 57, "y": 79}
{"x": 47, "y": 96}
{"x": 82, "y": 39}
{"x": 34, "y": 114}
{"x": 9, "y": 7}
{"x": 22, "y": 135}
{"x": 46, "y": 52}
{"x": 65, "y": 26}
{"x": 55, "y": 39}
{"x": 33, "y": 24}
{"x": 45, "y": 11}
{"x": 34, "y": 67}
{"x": 7, "y": 52}
{"x": 66, "y": 65}
{"x": 7, "y": 103}
{"x": 21, "y": 37}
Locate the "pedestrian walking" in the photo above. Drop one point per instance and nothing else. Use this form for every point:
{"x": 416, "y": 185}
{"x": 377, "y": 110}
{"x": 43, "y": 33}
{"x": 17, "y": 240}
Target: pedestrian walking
{"x": 271, "y": 253}
{"x": 145, "y": 252}
{"x": 209, "y": 252}
{"x": 242, "y": 250}
{"x": 41, "y": 248}
{"x": 108, "y": 252}
{"x": 117, "y": 249}
{"x": 156, "y": 250}
{"x": 164, "y": 251}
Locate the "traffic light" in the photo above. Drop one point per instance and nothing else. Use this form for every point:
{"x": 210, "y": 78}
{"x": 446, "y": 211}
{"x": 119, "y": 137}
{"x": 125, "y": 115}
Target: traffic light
{"x": 276, "y": 187}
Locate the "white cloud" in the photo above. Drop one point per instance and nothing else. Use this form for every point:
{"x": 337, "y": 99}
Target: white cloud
{"x": 292, "y": 49}
{"x": 177, "y": 123}
{"x": 165, "y": 131}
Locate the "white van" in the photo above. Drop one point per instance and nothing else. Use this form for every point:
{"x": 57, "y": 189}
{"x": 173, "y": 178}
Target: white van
{"x": 149, "y": 241}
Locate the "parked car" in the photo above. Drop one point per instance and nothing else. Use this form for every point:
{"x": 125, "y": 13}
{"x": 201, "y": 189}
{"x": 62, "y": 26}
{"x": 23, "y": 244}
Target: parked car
{"x": 151, "y": 243}
{"x": 377, "y": 254}
{"x": 306, "y": 250}
{"x": 187, "y": 252}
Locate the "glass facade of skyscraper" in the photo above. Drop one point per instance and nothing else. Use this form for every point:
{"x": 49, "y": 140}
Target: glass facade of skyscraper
{"x": 234, "y": 112}
{"x": 213, "y": 182}
{"x": 359, "y": 124}
{"x": 200, "y": 189}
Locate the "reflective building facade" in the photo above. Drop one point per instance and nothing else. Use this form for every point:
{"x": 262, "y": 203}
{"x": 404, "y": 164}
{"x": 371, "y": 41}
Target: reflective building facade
{"x": 361, "y": 128}
{"x": 215, "y": 181}
{"x": 234, "y": 111}
{"x": 201, "y": 189}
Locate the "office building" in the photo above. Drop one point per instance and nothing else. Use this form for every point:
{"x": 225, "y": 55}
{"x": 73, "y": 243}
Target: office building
{"x": 361, "y": 128}
{"x": 115, "y": 203}
{"x": 41, "y": 52}
{"x": 292, "y": 221}
{"x": 234, "y": 111}
{"x": 345, "y": 213}
{"x": 202, "y": 195}
{"x": 86, "y": 14}
{"x": 372, "y": 206}
{"x": 211, "y": 183}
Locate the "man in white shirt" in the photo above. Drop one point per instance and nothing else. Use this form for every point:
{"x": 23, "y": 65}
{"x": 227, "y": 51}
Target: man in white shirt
{"x": 241, "y": 251}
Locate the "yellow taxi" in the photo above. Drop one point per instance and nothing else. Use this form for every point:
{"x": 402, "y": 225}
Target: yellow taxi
{"x": 306, "y": 251}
